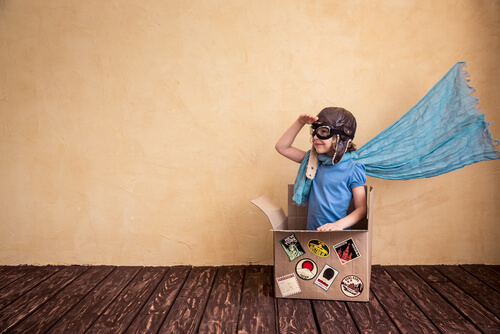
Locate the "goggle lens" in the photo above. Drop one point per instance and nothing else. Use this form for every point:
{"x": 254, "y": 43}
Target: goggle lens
{"x": 322, "y": 131}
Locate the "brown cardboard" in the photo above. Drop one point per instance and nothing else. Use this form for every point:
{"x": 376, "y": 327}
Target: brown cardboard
{"x": 351, "y": 273}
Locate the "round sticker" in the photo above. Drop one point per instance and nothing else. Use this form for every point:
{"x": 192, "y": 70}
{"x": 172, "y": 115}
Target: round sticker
{"x": 306, "y": 269}
{"x": 319, "y": 248}
{"x": 351, "y": 286}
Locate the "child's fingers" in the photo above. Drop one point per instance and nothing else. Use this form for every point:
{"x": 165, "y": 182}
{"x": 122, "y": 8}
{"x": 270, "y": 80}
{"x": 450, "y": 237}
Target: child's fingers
{"x": 308, "y": 119}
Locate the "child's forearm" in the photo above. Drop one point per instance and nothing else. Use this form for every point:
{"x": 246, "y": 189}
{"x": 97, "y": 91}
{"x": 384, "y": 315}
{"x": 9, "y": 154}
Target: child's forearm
{"x": 284, "y": 144}
{"x": 289, "y": 136}
{"x": 352, "y": 219}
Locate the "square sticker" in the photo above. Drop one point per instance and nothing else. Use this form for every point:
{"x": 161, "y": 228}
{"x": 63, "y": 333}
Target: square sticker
{"x": 288, "y": 285}
{"x": 326, "y": 277}
{"x": 347, "y": 251}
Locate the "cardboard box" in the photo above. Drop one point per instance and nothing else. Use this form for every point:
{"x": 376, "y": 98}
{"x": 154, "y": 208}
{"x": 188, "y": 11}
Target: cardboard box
{"x": 332, "y": 265}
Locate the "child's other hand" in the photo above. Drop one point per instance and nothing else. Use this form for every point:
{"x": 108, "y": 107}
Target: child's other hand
{"x": 307, "y": 119}
{"x": 330, "y": 227}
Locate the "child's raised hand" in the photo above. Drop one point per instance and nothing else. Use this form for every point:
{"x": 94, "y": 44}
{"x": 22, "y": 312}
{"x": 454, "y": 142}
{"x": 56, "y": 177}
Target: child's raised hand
{"x": 307, "y": 119}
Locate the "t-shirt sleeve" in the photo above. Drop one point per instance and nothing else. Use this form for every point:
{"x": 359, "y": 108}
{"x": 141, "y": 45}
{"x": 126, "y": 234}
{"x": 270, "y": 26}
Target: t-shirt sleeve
{"x": 358, "y": 176}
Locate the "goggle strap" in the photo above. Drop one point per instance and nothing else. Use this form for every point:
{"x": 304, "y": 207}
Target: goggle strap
{"x": 316, "y": 125}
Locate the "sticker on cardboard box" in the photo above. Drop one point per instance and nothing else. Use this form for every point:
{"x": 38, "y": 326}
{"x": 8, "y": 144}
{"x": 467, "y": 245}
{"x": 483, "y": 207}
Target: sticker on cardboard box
{"x": 346, "y": 251}
{"x": 288, "y": 285}
{"x": 326, "y": 277}
{"x": 351, "y": 286}
{"x": 318, "y": 248}
{"x": 306, "y": 269}
{"x": 292, "y": 247}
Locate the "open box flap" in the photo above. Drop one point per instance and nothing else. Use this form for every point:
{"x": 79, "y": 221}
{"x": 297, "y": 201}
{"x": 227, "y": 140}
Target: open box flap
{"x": 275, "y": 213}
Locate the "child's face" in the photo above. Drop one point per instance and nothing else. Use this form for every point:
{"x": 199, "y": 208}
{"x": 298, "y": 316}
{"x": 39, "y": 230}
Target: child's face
{"x": 325, "y": 146}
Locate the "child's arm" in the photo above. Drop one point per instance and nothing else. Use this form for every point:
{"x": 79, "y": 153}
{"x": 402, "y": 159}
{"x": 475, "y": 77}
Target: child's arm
{"x": 359, "y": 196}
{"x": 284, "y": 144}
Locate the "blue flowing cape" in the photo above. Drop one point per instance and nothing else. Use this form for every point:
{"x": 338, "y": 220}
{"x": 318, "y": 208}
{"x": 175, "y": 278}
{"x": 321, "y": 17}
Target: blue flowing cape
{"x": 444, "y": 131}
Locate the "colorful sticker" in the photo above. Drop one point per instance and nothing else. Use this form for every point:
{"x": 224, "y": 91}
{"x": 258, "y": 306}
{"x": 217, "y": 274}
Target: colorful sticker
{"x": 347, "y": 251}
{"x": 351, "y": 286}
{"x": 319, "y": 248}
{"x": 292, "y": 247}
{"x": 326, "y": 277}
{"x": 288, "y": 285}
{"x": 306, "y": 269}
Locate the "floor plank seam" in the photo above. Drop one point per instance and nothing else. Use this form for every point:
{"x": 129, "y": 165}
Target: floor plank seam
{"x": 62, "y": 316}
{"x": 241, "y": 297}
{"x": 451, "y": 302}
{"x": 315, "y": 317}
{"x": 175, "y": 297}
{"x": 465, "y": 293}
{"x": 118, "y": 293}
{"x": 386, "y": 311}
{"x": 349, "y": 311}
{"x": 153, "y": 290}
{"x": 496, "y": 288}
{"x": 208, "y": 298}
{"x": 51, "y": 297}
{"x": 415, "y": 302}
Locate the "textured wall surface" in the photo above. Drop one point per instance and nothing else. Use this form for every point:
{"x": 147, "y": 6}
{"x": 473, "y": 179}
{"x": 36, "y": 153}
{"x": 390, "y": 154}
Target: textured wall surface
{"x": 137, "y": 132}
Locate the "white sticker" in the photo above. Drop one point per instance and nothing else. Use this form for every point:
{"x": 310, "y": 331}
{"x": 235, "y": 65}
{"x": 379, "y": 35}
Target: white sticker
{"x": 351, "y": 286}
{"x": 326, "y": 277}
{"x": 288, "y": 284}
{"x": 306, "y": 269}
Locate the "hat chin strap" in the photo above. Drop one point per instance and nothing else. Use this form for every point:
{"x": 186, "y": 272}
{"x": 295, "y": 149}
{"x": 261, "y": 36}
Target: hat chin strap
{"x": 312, "y": 164}
{"x": 336, "y": 150}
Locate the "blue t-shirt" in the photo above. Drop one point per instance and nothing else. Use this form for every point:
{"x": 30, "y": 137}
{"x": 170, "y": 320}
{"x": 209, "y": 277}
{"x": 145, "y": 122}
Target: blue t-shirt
{"x": 331, "y": 192}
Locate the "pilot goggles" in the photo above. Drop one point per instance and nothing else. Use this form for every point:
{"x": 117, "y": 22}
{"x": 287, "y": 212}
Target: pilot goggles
{"x": 326, "y": 131}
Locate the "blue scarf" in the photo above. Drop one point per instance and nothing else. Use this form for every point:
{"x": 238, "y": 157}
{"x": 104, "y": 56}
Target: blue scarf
{"x": 444, "y": 131}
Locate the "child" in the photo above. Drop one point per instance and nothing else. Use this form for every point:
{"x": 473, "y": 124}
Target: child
{"x": 335, "y": 181}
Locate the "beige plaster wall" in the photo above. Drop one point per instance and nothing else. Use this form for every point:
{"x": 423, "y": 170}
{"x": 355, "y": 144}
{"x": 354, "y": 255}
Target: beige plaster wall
{"x": 137, "y": 132}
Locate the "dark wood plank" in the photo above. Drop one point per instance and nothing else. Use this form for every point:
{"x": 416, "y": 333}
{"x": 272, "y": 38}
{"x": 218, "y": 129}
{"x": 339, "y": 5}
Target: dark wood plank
{"x": 10, "y": 273}
{"x": 46, "y": 316}
{"x": 404, "y": 313}
{"x": 465, "y": 304}
{"x": 486, "y": 274}
{"x": 258, "y": 309}
{"x": 20, "y": 286}
{"x": 333, "y": 317}
{"x": 125, "y": 307}
{"x": 187, "y": 311}
{"x": 429, "y": 274}
{"x": 370, "y": 317}
{"x": 296, "y": 316}
{"x": 154, "y": 312}
{"x": 221, "y": 313}
{"x": 481, "y": 292}
{"x": 23, "y": 306}
{"x": 442, "y": 314}
{"x": 79, "y": 319}
{"x": 470, "y": 308}
{"x": 418, "y": 299}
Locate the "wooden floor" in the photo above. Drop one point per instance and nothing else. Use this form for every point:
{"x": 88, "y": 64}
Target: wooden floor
{"x": 181, "y": 299}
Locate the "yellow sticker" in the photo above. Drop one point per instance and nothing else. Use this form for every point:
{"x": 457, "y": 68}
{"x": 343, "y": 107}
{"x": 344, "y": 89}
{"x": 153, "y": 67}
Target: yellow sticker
{"x": 318, "y": 248}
